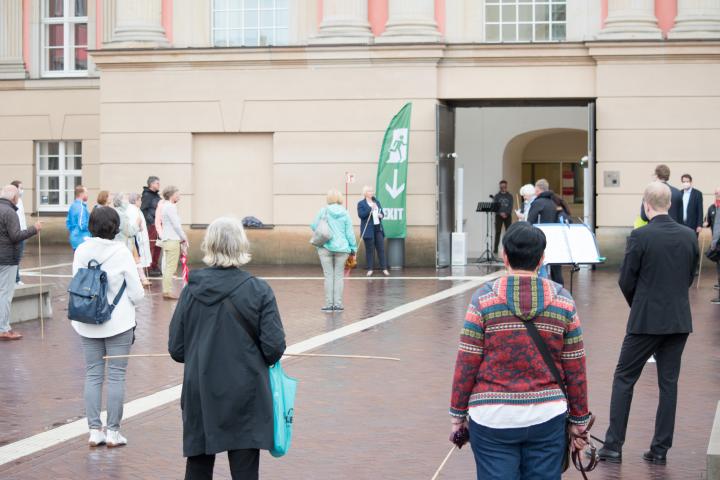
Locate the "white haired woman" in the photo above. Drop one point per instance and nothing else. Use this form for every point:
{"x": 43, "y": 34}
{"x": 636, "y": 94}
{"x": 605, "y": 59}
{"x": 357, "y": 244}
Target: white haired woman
{"x": 335, "y": 251}
{"x": 528, "y": 194}
{"x": 142, "y": 254}
{"x": 370, "y": 210}
{"x": 226, "y": 397}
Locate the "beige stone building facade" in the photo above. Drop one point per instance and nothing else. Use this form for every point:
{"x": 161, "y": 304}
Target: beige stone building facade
{"x": 259, "y": 107}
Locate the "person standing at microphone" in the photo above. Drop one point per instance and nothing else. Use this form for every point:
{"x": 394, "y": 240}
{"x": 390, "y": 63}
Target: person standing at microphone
{"x": 503, "y": 216}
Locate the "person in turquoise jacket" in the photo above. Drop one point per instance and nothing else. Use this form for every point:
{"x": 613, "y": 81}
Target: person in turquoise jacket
{"x": 336, "y": 250}
{"x": 78, "y": 218}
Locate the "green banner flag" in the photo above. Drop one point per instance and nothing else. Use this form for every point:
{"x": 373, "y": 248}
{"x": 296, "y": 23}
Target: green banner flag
{"x": 391, "y": 183}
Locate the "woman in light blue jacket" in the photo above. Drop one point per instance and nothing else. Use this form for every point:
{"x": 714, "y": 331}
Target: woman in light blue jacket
{"x": 336, "y": 250}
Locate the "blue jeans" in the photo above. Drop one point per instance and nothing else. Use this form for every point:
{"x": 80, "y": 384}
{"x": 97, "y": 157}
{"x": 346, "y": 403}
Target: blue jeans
{"x": 373, "y": 244}
{"x": 530, "y": 453}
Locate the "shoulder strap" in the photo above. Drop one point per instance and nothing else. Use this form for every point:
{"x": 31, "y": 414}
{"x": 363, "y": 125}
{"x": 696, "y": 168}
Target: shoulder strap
{"x": 547, "y": 357}
{"x": 243, "y": 322}
{"x": 119, "y": 295}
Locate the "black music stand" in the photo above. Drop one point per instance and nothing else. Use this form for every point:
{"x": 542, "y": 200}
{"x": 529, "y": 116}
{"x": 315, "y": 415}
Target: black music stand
{"x": 488, "y": 208}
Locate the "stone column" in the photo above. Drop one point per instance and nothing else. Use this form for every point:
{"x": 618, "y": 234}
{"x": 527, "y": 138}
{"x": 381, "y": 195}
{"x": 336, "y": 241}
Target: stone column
{"x": 344, "y": 21}
{"x": 630, "y": 19}
{"x": 410, "y": 21}
{"x": 697, "y": 19}
{"x": 138, "y": 23}
{"x": 11, "y": 40}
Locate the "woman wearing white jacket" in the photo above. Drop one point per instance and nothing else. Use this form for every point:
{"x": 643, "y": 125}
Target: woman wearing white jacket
{"x": 113, "y": 337}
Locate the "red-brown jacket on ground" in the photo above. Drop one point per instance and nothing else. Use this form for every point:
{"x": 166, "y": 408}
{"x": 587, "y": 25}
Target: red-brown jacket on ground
{"x": 497, "y": 361}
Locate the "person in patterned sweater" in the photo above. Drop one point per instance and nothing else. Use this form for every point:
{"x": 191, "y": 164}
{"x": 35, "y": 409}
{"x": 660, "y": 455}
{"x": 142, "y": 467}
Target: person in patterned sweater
{"x": 517, "y": 411}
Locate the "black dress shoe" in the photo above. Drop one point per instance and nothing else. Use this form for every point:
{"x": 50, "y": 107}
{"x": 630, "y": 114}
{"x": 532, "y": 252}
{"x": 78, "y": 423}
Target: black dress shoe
{"x": 654, "y": 458}
{"x": 611, "y": 456}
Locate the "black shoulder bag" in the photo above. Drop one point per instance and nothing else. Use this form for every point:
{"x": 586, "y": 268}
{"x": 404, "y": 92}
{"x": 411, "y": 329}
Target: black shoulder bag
{"x": 569, "y": 451}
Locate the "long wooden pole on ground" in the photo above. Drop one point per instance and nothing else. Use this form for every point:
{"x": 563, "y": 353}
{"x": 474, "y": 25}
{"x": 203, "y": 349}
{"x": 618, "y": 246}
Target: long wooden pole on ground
{"x": 40, "y": 270}
{"x": 442, "y": 465}
{"x": 702, "y": 253}
{"x": 356, "y": 357}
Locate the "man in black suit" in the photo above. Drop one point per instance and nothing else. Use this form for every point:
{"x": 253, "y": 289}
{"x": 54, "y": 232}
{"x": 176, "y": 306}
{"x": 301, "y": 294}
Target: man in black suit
{"x": 692, "y": 205}
{"x": 544, "y": 210}
{"x": 655, "y": 285}
{"x": 662, "y": 174}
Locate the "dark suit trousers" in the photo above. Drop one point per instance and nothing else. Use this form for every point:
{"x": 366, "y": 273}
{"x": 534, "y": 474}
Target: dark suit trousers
{"x": 244, "y": 465}
{"x": 499, "y": 222}
{"x": 635, "y": 351}
{"x": 372, "y": 244}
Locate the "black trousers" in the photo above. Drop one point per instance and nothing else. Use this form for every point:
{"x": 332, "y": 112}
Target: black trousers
{"x": 499, "y": 222}
{"x": 635, "y": 351}
{"x": 244, "y": 465}
{"x": 373, "y": 244}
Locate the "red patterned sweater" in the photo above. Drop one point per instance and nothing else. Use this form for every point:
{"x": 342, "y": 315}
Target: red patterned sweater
{"x": 497, "y": 361}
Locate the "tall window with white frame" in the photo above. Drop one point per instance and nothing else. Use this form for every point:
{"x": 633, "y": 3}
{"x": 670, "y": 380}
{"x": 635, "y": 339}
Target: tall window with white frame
{"x": 64, "y": 38}
{"x": 525, "y": 20}
{"x": 250, "y": 23}
{"x": 59, "y": 171}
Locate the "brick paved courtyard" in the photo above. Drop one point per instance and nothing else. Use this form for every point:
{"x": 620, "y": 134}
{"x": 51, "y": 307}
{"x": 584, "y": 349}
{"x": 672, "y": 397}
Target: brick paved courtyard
{"x": 355, "y": 419}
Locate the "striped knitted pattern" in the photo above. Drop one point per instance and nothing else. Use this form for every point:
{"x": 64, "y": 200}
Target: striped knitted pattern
{"x": 497, "y": 361}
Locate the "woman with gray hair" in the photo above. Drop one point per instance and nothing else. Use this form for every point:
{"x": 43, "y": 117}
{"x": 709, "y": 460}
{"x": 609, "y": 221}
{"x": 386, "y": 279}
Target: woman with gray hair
{"x": 141, "y": 250}
{"x": 528, "y": 194}
{"x": 226, "y": 398}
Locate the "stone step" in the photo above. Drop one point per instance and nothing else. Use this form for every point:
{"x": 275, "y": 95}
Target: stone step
{"x": 26, "y": 303}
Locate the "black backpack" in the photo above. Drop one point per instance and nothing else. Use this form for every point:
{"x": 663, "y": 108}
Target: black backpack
{"x": 87, "y": 300}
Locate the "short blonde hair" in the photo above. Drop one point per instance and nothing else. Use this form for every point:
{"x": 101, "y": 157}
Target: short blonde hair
{"x": 169, "y": 191}
{"x": 225, "y": 244}
{"x": 658, "y": 196}
{"x": 366, "y": 189}
{"x": 334, "y": 196}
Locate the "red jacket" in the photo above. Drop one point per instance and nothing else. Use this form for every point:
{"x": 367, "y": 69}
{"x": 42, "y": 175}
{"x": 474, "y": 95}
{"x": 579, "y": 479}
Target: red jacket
{"x": 497, "y": 361}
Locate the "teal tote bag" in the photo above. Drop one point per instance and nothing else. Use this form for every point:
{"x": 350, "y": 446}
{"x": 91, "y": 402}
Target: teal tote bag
{"x": 283, "y": 391}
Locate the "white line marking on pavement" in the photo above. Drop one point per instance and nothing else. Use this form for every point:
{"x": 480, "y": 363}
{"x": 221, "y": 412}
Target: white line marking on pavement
{"x": 56, "y": 436}
{"x": 444, "y": 279}
{"x": 24, "y": 270}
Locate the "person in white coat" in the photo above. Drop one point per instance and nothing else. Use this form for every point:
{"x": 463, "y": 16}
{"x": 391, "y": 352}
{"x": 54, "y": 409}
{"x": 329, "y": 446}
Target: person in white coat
{"x": 114, "y": 337}
{"x": 142, "y": 237}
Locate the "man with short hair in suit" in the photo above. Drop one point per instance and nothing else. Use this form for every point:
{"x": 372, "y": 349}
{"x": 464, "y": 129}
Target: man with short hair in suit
{"x": 692, "y": 205}
{"x": 655, "y": 284}
{"x": 662, "y": 174}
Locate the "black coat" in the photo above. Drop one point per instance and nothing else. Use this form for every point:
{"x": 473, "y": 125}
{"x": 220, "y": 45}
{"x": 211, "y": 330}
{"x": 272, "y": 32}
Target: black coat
{"x": 543, "y": 209}
{"x": 148, "y": 205}
{"x": 694, "y": 210}
{"x": 658, "y": 269}
{"x": 676, "y": 205}
{"x": 365, "y": 215}
{"x": 711, "y": 213}
{"x": 226, "y": 400}
{"x": 11, "y": 237}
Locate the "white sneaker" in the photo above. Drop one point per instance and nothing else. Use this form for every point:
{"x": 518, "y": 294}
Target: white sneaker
{"x": 386, "y": 273}
{"x": 369, "y": 273}
{"x": 114, "y": 439}
{"x": 20, "y": 283}
{"x": 97, "y": 438}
